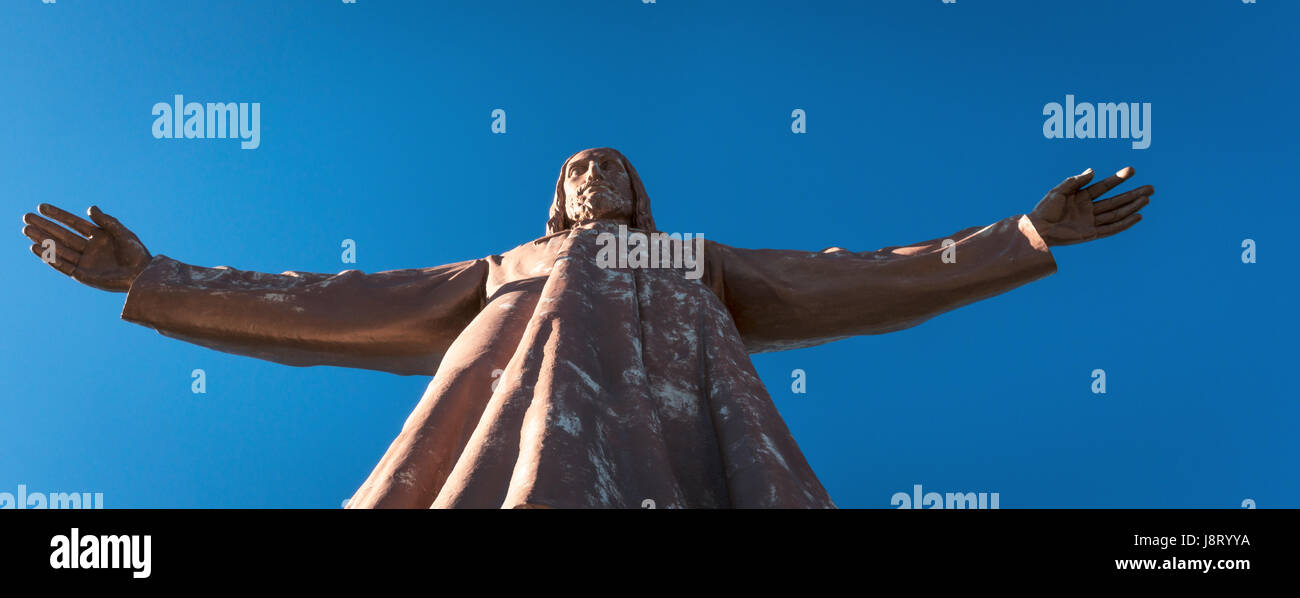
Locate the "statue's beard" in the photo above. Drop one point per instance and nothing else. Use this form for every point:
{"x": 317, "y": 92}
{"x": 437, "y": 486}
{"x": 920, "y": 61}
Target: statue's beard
{"x": 598, "y": 202}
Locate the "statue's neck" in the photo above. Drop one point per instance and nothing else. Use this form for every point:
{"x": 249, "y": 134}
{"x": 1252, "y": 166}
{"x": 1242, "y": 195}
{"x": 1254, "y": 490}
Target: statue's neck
{"x": 605, "y": 221}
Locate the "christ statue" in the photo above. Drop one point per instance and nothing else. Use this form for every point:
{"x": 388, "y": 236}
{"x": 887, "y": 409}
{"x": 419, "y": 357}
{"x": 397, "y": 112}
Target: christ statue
{"x": 561, "y": 380}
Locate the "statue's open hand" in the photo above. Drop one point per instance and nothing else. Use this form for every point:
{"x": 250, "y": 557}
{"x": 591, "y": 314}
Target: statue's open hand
{"x": 1069, "y": 214}
{"x": 104, "y": 255}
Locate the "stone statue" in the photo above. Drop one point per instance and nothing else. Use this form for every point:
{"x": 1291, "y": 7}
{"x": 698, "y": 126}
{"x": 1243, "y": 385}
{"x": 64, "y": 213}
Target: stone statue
{"x": 562, "y": 382}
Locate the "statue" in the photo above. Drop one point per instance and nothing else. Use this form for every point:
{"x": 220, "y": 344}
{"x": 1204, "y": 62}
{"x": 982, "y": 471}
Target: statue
{"x": 561, "y": 382}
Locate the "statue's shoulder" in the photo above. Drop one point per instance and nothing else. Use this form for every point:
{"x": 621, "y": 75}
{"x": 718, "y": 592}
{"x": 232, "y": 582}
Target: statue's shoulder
{"x": 530, "y": 248}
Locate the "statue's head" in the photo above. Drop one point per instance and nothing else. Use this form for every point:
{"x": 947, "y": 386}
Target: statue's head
{"x": 599, "y": 184}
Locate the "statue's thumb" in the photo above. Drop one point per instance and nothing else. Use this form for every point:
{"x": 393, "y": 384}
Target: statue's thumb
{"x": 106, "y": 222}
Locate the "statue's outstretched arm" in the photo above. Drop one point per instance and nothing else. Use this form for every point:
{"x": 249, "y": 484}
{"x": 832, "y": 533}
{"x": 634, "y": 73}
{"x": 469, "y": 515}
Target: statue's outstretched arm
{"x": 783, "y": 299}
{"x": 401, "y": 321}
{"x": 789, "y": 299}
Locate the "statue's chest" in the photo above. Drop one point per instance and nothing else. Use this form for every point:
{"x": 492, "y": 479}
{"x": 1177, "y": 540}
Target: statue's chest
{"x": 603, "y": 258}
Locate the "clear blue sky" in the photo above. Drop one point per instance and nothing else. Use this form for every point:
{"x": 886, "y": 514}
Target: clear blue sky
{"x": 923, "y": 118}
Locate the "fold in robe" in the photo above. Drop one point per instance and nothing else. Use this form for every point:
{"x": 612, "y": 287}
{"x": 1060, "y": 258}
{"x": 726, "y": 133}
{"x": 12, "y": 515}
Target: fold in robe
{"x": 559, "y": 383}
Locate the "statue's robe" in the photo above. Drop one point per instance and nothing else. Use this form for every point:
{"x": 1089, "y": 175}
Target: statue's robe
{"x": 560, "y": 383}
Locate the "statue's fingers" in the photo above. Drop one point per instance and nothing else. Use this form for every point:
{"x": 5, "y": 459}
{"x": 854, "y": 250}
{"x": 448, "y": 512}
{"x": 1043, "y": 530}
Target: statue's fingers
{"x": 35, "y": 234}
{"x": 107, "y": 222}
{"x": 60, "y": 263}
{"x": 1074, "y": 183}
{"x": 1119, "y": 201}
{"x": 58, "y": 233}
{"x": 1118, "y": 227}
{"x": 41, "y": 238}
{"x": 1110, "y": 182}
{"x": 1122, "y": 212}
{"x": 71, "y": 221}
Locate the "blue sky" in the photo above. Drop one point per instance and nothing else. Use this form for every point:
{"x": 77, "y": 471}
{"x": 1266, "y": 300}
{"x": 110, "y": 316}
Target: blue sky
{"x": 923, "y": 118}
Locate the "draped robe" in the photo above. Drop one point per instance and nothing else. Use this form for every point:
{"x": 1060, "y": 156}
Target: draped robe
{"x": 561, "y": 383}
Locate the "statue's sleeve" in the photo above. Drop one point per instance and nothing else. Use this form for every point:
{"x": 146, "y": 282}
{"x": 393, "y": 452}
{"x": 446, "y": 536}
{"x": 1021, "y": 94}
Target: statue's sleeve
{"x": 400, "y": 321}
{"x": 789, "y": 299}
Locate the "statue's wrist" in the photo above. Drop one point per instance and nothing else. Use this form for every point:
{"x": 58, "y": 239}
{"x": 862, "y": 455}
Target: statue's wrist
{"x": 140, "y": 270}
{"x": 1033, "y": 229}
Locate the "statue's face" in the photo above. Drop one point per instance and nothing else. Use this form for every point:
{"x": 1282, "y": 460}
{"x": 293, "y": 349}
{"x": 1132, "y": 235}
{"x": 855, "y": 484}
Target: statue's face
{"x": 597, "y": 187}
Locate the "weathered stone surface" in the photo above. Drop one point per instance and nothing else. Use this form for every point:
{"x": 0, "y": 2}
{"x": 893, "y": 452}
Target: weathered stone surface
{"x": 559, "y": 383}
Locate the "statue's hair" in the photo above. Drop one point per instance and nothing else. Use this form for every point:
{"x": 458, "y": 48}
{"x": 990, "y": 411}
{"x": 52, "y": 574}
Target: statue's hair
{"x": 559, "y": 220}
